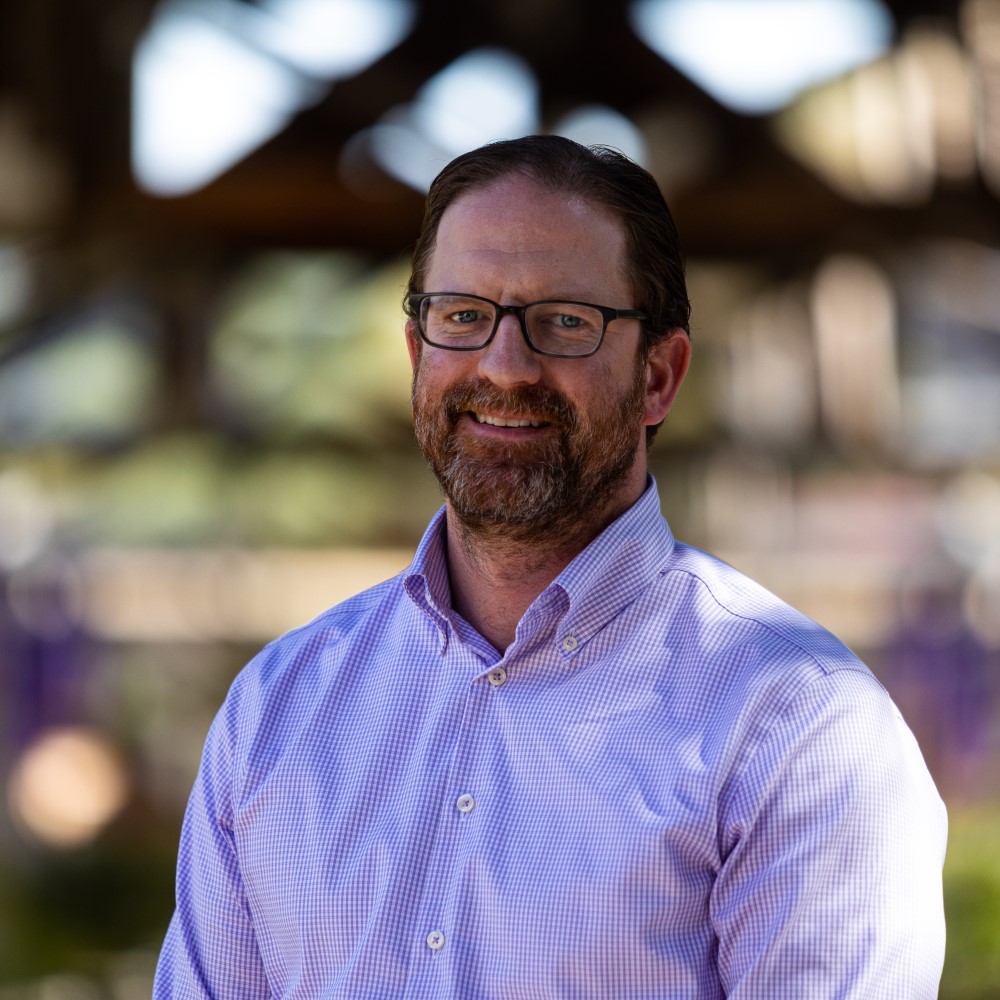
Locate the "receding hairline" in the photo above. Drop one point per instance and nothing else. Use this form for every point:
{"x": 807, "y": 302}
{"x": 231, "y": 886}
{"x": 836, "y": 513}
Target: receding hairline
{"x": 565, "y": 185}
{"x": 573, "y": 196}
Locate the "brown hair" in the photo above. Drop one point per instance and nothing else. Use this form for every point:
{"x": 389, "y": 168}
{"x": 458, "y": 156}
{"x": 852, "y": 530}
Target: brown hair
{"x": 654, "y": 267}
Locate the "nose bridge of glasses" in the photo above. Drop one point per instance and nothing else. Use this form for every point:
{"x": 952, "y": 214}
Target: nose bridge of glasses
{"x": 508, "y": 358}
{"x": 518, "y": 313}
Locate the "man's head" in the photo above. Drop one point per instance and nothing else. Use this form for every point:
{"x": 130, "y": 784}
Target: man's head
{"x": 527, "y": 441}
{"x": 653, "y": 263}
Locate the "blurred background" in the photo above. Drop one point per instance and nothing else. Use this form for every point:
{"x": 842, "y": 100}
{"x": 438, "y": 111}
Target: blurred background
{"x": 206, "y": 208}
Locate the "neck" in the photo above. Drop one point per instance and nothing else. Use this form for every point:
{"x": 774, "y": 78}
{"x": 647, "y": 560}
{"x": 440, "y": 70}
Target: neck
{"x": 496, "y": 577}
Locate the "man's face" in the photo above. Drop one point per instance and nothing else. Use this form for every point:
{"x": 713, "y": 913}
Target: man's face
{"x": 524, "y": 444}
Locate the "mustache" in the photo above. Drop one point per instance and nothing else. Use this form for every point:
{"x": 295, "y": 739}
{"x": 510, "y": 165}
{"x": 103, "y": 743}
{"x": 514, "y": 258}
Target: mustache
{"x": 537, "y": 401}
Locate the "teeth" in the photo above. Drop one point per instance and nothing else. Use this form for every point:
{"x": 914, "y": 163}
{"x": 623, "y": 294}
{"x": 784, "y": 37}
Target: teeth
{"x": 484, "y": 418}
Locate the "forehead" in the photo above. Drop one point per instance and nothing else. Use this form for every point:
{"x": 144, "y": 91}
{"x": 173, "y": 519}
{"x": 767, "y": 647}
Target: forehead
{"x": 516, "y": 232}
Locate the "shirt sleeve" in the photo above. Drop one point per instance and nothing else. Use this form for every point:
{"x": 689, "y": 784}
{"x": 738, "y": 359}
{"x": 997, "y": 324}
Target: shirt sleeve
{"x": 210, "y": 952}
{"x": 833, "y": 839}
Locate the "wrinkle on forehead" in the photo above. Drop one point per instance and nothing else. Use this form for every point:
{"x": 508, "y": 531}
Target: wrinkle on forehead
{"x": 511, "y": 195}
{"x": 559, "y": 242}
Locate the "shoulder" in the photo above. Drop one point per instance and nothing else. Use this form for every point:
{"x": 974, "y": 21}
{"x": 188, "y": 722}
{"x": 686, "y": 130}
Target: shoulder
{"x": 368, "y": 609}
{"x": 722, "y": 608}
{"x": 788, "y": 682}
{"x": 751, "y": 666}
{"x": 292, "y": 672}
{"x": 298, "y": 682}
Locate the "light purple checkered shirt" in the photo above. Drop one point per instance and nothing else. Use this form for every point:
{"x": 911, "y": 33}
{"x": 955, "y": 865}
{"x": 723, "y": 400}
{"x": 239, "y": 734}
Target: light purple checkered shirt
{"x": 670, "y": 785}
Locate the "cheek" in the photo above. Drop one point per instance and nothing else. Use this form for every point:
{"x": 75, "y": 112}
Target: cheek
{"x": 433, "y": 377}
{"x": 443, "y": 369}
{"x": 601, "y": 385}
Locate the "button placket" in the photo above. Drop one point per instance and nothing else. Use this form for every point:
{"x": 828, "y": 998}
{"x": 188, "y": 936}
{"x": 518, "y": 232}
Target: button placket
{"x": 460, "y": 830}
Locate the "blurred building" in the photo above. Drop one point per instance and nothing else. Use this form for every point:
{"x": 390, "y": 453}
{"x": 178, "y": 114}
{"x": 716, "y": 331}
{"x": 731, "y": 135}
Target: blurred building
{"x": 206, "y": 208}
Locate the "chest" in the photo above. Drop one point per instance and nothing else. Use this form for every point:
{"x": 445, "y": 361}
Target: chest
{"x": 547, "y": 831}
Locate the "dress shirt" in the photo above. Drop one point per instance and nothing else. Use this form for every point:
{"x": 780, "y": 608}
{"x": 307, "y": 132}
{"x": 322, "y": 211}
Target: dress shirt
{"x": 670, "y": 785}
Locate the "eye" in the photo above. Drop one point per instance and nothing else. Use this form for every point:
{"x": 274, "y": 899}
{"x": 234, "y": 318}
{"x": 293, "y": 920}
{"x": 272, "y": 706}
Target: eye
{"x": 563, "y": 318}
{"x": 455, "y": 315}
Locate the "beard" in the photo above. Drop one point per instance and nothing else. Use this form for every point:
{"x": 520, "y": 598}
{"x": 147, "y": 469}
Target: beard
{"x": 532, "y": 490}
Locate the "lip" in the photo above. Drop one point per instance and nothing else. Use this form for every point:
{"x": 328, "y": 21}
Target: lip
{"x": 497, "y": 425}
{"x": 492, "y": 420}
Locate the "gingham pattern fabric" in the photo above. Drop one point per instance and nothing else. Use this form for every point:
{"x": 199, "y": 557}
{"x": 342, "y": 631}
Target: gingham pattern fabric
{"x": 670, "y": 785}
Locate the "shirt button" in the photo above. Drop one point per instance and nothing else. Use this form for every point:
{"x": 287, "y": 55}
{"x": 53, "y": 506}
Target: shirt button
{"x": 435, "y": 940}
{"x": 465, "y": 803}
{"x": 497, "y": 677}
{"x": 569, "y": 643}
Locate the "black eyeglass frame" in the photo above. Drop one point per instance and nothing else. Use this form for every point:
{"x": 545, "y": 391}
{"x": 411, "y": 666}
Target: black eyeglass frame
{"x": 607, "y": 314}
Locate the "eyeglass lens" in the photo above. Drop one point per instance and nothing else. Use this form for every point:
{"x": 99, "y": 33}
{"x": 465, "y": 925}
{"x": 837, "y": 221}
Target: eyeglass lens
{"x": 564, "y": 328}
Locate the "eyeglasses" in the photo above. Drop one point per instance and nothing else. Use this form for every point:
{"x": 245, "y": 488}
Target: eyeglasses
{"x": 459, "y": 322}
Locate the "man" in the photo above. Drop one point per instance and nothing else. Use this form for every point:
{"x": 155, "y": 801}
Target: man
{"x": 561, "y": 755}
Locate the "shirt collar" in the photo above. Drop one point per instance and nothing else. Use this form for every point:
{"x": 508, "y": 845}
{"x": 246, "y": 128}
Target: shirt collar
{"x": 616, "y": 567}
{"x": 426, "y": 581}
{"x": 599, "y": 583}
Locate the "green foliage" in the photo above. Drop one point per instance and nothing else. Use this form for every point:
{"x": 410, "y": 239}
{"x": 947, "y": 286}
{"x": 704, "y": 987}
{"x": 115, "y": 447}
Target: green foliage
{"x": 972, "y": 906}
{"x": 76, "y": 912}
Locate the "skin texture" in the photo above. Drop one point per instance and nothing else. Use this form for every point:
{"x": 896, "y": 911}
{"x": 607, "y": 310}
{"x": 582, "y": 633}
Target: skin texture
{"x": 523, "y": 501}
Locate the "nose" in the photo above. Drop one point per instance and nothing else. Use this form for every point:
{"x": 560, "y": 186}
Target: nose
{"x": 507, "y": 360}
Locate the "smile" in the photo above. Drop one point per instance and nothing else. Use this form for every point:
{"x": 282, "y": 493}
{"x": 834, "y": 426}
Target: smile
{"x": 484, "y": 418}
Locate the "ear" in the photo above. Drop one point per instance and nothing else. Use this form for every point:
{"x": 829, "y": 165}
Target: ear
{"x": 413, "y": 342}
{"x": 666, "y": 367}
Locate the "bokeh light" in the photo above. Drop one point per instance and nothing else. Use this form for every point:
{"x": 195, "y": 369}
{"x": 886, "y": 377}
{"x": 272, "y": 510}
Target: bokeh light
{"x": 67, "y": 786}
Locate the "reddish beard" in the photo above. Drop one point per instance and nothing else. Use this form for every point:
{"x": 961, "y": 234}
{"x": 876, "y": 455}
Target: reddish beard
{"x": 534, "y": 489}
